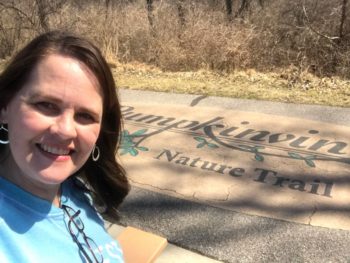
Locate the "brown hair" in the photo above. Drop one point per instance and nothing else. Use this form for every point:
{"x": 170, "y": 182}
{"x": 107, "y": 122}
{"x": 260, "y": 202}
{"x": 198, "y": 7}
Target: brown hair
{"x": 106, "y": 176}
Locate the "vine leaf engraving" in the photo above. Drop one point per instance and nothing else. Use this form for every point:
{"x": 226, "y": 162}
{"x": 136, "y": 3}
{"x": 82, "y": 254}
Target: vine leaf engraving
{"x": 254, "y": 149}
{"x": 129, "y": 145}
{"x": 309, "y": 160}
{"x": 203, "y": 142}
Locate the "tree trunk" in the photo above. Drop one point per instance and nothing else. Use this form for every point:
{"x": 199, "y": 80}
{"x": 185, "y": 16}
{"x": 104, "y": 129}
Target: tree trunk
{"x": 228, "y": 4}
{"x": 342, "y": 19}
{"x": 42, "y": 14}
{"x": 245, "y": 4}
{"x": 181, "y": 12}
{"x": 261, "y": 3}
{"x": 108, "y": 7}
{"x": 150, "y": 15}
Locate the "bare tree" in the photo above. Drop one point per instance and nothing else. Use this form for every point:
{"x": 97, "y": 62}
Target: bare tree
{"x": 342, "y": 19}
{"x": 46, "y": 8}
{"x": 245, "y": 4}
{"x": 107, "y": 7}
{"x": 42, "y": 9}
{"x": 337, "y": 39}
{"x": 228, "y": 4}
{"x": 150, "y": 15}
{"x": 261, "y": 3}
{"x": 181, "y": 11}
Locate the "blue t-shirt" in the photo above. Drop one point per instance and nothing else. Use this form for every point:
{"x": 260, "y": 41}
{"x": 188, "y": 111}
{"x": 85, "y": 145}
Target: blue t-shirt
{"x": 33, "y": 230}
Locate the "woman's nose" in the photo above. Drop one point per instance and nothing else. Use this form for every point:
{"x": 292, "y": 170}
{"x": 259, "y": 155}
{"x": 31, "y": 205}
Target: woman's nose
{"x": 64, "y": 126}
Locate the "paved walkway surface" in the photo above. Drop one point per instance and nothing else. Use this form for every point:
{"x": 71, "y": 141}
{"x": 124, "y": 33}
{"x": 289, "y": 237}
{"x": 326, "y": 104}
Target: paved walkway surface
{"x": 229, "y": 234}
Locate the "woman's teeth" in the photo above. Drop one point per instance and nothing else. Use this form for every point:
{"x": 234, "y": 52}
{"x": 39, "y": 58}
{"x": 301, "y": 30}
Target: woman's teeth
{"x": 54, "y": 150}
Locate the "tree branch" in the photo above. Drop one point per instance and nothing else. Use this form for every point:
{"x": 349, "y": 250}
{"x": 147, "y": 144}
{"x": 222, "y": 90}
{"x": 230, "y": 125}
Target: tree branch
{"x": 314, "y": 30}
{"x": 342, "y": 19}
{"x": 18, "y": 11}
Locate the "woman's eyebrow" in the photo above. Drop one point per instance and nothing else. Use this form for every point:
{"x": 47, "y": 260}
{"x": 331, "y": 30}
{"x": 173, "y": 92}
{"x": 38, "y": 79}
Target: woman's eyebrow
{"x": 90, "y": 111}
{"x": 40, "y": 95}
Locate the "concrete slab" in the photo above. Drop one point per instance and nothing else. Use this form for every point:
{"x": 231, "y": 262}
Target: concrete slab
{"x": 261, "y": 164}
{"x": 222, "y": 233}
{"x": 229, "y": 236}
{"x": 175, "y": 254}
{"x": 171, "y": 254}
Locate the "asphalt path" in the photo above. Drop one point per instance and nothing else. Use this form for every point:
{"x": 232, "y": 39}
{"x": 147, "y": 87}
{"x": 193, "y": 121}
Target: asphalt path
{"x": 336, "y": 115}
{"x": 226, "y": 235}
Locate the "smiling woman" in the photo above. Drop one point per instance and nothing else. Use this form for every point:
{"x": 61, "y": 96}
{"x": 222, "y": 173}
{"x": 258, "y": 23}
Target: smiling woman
{"x": 60, "y": 125}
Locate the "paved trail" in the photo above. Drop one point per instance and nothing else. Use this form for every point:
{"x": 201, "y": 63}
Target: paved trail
{"x": 302, "y": 216}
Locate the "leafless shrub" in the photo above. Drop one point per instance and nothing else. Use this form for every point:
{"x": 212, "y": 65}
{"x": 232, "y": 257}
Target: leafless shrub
{"x": 309, "y": 35}
{"x": 305, "y": 34}
{"x": 22, "y": 20}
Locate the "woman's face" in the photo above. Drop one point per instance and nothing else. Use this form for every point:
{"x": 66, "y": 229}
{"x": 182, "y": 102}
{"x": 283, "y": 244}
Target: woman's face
{"x": 53, "y": 122}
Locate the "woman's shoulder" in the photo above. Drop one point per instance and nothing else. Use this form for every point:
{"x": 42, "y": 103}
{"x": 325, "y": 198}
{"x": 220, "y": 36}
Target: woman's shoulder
{"x": 14, "y": 199}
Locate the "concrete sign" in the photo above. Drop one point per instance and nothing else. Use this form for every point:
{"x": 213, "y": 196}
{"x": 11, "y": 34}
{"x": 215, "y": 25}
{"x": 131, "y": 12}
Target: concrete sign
{"x": 285, "y": 168}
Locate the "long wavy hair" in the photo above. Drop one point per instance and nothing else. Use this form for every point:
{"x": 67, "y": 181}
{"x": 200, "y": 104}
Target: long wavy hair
{"x": 106, "y": 176}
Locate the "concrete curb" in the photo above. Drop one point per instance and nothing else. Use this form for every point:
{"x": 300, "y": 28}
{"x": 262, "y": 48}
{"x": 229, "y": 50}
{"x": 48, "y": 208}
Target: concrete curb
{"x": 171, "y": 254}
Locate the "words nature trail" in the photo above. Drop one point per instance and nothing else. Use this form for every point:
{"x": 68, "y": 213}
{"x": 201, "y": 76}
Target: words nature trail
{"x": 261, "y": 175}
{"x": 307, "y": 146}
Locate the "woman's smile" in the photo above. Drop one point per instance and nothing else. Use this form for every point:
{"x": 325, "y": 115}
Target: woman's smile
{"x": 60, "y": 124}
{"x": 54, "y": 122}
{"x": 55, "y": 152}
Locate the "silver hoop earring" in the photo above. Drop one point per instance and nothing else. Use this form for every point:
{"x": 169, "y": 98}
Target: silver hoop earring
{"x": 95, "y": 154}
{"x": 5, "y": 131}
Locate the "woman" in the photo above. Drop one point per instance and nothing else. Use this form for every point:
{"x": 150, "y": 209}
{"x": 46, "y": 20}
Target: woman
{"x": 60, "y": 123}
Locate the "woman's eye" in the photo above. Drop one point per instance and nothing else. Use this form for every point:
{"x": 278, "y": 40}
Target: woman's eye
{"x": 47, "y": 107}
{"x": 85, "y": 118}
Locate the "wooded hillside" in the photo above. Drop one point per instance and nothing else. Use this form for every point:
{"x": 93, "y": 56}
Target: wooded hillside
{"x": 178, "y": 35}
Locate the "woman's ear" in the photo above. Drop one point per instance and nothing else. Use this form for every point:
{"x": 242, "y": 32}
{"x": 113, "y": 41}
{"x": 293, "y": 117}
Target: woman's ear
{"x": 3, "y": 115}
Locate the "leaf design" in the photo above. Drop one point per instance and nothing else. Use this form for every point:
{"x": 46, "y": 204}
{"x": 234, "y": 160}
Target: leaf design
{"x": 141, "y": 148}
{"x": 125, "y": 133}
{"x": 127, "y": 143}
{"x": 139, "y": 133}
{"x": 212, "y": 145}
{"x": 202, "y": 142}
{"x": 201, "y": 145}
{"x": 310, "y": 163}
{"x": 309, "y": 160}
{"x": 295, "y": 156}
{"x": 200, "y": 139}
{"x": 133, "y": 151}
{"x": 129, "y": 146}
{"x": 259, "y": 157}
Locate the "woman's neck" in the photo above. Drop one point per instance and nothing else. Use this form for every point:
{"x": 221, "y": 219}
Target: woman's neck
{"x": 11, "y": 172}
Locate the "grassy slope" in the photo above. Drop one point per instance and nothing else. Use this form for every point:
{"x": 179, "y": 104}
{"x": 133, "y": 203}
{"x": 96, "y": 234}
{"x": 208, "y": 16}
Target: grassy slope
{"x": 283, "y": 86}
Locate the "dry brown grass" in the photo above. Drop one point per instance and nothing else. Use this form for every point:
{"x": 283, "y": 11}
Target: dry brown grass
{"x": 271, "y": 53}
{"x": 248, "y": 84}
{"x": 277, "y": 36}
